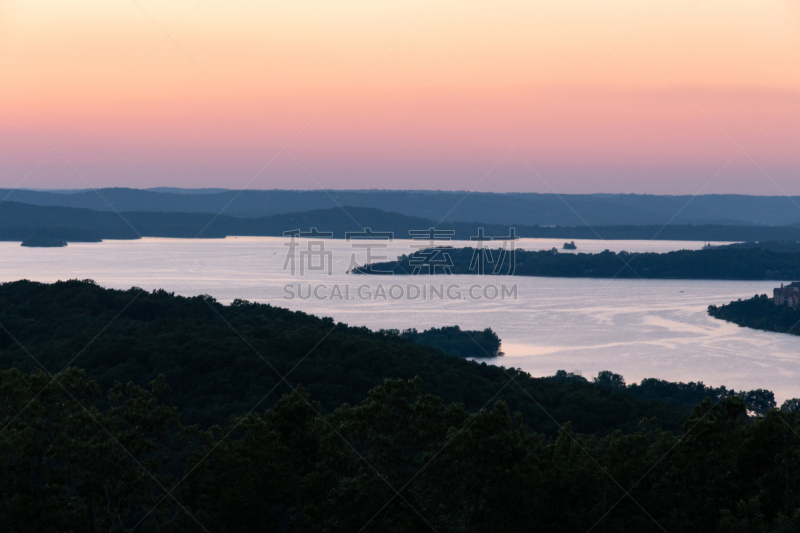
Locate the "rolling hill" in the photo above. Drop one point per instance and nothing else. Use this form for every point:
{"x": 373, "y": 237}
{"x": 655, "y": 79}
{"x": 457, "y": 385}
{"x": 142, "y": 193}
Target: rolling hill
{"x": 452, "y": 206}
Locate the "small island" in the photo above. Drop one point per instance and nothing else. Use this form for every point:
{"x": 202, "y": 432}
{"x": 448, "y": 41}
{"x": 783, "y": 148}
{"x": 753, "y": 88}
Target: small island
{"x": 569, "y": 246}
{"x": 43, "y": 241}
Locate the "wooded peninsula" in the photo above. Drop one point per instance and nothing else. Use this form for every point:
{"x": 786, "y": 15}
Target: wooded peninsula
{"x": 759, "y": 312}
{"x": 724, "y": 262}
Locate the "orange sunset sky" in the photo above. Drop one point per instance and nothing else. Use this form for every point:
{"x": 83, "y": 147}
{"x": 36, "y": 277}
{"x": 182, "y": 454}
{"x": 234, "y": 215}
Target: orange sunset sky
{"x": 575, "y": 96}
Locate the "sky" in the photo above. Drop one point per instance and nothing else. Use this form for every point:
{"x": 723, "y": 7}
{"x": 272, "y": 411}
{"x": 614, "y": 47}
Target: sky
{"x": 570, "y": 96}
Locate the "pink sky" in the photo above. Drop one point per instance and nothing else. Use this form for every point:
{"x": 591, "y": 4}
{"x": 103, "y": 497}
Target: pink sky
{"x": 399, "y": 95}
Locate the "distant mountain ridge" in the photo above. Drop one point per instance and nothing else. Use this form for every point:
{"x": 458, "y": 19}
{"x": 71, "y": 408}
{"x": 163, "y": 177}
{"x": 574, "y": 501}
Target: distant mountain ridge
{"x": 453, "y": 206}
{"x": 20, "y": 222}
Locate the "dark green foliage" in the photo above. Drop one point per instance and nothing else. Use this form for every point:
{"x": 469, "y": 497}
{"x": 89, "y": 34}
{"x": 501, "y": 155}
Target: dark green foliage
{"x": 459, "y": 448}
{"x": 687, "y": 395}
{"x": 759, "y": 313}
{"x": 718, "y": 263}
{"x": 609, "y": 380}
{"x": 791, "y": 406}
{"x": 678, "y": 394}
{"x": 67, "y": 464}
{"x": 453, "y": 341}
{"x": 400, "y": 460}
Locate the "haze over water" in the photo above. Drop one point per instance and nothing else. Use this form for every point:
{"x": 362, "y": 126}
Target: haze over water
{"x": 638, "y": 328}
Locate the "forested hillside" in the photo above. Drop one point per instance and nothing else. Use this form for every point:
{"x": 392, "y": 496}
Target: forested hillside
{"x": 370, "y": 431}
{"x": 220, "y": 360}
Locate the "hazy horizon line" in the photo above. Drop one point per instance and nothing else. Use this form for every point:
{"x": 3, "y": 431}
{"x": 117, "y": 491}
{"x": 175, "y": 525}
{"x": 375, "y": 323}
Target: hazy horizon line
{"x": 213, "y": 190}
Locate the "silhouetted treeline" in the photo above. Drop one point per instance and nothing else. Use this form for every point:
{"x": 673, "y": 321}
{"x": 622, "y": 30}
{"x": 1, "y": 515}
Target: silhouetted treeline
{"x": 717, "y": 263}
{"x": 43, "y": 241}
{"x": 452, "y": 340}
{"x": 759, "y": 313}
{"x": 787, "y": 247}
{"x": 681, "y": 395}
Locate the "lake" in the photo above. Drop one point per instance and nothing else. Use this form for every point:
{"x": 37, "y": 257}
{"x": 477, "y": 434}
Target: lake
{"x": 637, "y": 328}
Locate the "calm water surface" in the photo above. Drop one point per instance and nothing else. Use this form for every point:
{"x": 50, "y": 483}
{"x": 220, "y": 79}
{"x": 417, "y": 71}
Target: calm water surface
{"x": 653, "y": 328}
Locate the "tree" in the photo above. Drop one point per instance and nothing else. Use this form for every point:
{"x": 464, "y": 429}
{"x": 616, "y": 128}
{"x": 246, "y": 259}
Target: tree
{"x": 609, "y": 380}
